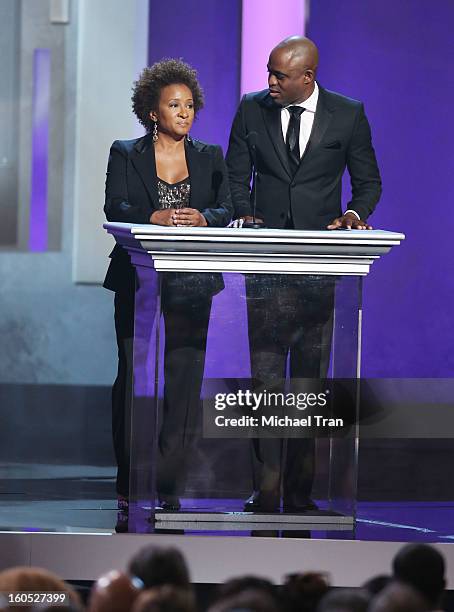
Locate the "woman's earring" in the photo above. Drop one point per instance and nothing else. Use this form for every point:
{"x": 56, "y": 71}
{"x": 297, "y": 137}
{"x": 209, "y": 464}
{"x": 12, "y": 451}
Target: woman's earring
{"x": 155, "y": 131}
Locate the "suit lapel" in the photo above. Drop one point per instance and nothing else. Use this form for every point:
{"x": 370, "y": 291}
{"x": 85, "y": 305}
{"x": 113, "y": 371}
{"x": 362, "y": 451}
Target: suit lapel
{"x": 144, "y": 162}
{"x": 322, "y": 119}
{"x": 272, "y": 119}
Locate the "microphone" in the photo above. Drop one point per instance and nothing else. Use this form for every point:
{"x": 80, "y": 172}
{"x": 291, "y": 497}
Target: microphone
{"x": 251, "y": 139}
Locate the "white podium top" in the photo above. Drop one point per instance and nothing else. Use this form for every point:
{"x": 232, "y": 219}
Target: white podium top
{"x": 208, "y": 249}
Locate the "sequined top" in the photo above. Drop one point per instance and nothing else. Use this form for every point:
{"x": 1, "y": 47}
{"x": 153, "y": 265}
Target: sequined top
{"x": 175, "y": 195}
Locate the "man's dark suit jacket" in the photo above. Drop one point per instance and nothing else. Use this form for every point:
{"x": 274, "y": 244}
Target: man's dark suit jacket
{"x": 132, "y": 193}
{"x": 340, "y": 138}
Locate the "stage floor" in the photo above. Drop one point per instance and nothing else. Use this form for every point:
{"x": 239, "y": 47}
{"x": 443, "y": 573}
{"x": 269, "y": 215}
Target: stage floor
{"x": 79, "y": 499}
{"x": 65, "y": 519}
{"x": 385, "y": 521}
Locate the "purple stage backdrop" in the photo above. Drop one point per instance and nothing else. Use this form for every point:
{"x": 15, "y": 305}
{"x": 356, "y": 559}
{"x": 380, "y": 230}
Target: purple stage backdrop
{"x": 207, "y": 35}
{"x": 209, "y": 38}
{"x": 398, "y": 57}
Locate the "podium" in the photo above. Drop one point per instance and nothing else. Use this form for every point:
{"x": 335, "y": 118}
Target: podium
{"x": 323, "y": 272}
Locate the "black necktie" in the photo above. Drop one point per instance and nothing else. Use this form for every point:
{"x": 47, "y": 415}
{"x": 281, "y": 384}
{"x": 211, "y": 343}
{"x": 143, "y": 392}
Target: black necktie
{"x": 293, "y": 136}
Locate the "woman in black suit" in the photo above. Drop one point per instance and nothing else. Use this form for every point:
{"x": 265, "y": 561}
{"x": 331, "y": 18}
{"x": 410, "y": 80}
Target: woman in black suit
{"x": 169, "y": 179}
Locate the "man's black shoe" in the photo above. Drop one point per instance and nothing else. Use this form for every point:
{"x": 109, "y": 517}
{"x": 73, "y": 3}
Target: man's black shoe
{"x": 168, "y": 504}
{"x": 262, "y": 502}
{"x": 302, "y": 507}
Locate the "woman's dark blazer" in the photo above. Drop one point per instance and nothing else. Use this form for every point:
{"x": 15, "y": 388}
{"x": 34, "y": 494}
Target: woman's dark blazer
{"x": 132, "y": 193}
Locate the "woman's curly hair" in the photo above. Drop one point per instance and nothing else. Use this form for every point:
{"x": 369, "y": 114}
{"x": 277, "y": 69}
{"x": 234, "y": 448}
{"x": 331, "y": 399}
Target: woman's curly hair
{"x": 147, "y": 88}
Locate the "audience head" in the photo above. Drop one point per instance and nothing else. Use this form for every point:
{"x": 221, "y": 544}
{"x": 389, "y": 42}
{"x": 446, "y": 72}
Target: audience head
{"x": 303, "y": 592}
{"x": 376, "y": 584}
{"x": 36, "y": 579}
{"x": 239, "y": 584}
{"x": 399, "y": 597}
{"x": 422, "y": 567}
{"x": 156, "y": 566}
{"x": 114, "y": 592}
{"x": 250, "y": 600}
{"x": 344, "y": 600}
{"x": 165, "y": 599}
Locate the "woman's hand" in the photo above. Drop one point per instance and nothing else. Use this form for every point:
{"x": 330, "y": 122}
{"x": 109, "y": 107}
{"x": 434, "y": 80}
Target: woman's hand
{"x": 163, "y": 217}
{"x": 188, "y": 217}
{"x": 178, "y": 217}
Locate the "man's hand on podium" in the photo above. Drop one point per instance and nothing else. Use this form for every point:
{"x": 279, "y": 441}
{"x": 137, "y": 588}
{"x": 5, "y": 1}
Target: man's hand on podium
{"x": 239, "y": 222}
{"x": 348, "y": 221}
{"x": 249, "y": 219}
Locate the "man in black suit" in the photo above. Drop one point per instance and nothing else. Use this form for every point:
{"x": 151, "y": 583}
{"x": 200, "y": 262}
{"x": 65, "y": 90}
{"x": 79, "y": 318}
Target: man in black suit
{"x": 303, "y": 137}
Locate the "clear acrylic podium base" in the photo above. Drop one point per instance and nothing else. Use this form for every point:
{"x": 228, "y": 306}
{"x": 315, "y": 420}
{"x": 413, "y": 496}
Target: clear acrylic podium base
{"x": 216, "y": 309}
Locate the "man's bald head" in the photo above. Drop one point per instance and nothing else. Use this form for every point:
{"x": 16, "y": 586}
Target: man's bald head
{"x": 292, "y": 67}
{"x": 300, "y": 49}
